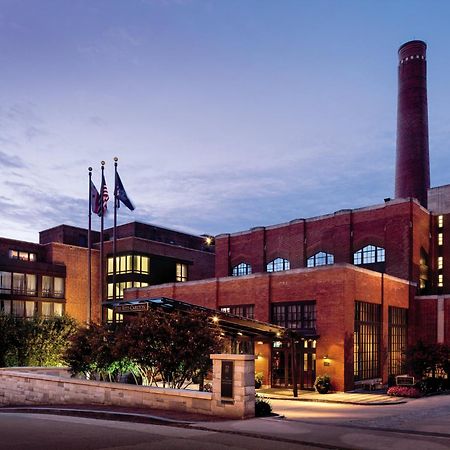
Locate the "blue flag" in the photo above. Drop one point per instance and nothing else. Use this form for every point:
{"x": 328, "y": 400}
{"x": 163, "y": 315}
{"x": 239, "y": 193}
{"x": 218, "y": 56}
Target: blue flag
{"x": 121, "y": 194}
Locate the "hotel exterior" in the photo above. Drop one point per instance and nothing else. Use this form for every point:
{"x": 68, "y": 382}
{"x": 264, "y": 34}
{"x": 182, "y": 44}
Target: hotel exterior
{"x": 355, "y": 286}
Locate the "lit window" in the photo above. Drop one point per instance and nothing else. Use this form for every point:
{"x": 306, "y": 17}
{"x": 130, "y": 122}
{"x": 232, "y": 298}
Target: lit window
{"x": 278, "y": 265}
{"x": 440, "y": 263}
{"x": 440, "y": 221}
{"x": 22, "y": 255}
{"x": 5, "y": 282}
{"x": 242, "y": 269}
{"x": 440, "y": 239}
{"x": 181, "y": 272}
{"x": 240, "y": 310}
{"x": 440, "y": 280}
{"x": 320, "y": 259}
{"x": 369, "y": 254}
{"x": 129, "y": 264}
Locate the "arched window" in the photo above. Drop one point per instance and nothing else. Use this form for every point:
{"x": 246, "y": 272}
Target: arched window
{"x": 320, "y": 259}
{"x": 278, "y": 264}
{"x": 242, "y": 269}
{"x": 369, "y": 254}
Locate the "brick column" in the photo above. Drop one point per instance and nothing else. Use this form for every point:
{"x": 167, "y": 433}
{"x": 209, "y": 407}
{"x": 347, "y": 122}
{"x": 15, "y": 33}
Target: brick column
{"x": 241, "y": 405}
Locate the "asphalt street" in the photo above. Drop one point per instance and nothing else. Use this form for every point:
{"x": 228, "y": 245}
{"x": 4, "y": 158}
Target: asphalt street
{"x": 418, "y": 424}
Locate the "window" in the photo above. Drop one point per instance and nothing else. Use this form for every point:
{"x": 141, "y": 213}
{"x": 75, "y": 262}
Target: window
{"x": 440, "y": 280}
{"x": 52, "y": 287}
{"x": 242, "y": 269}
{"x": 129, "y": 264}
{"x": 440, "y": 238}
{"x": 278, "y": 265}
{"x": 369, "y": 254}
{"x": 22, "y": 308}
{"x": 181, "y": 272}
{"x": 240, "y": 310}
{"x": 299, "y": 315}
{"x": 397, "y": 339}
{"x": 121, "y": 286}
{"x": 24, "y": 284}
{"x": 49, "y": 309}
{"x": 23, "y": 256}
{"x": 440, "y": 221}
{"x": 320, "y": 259}
{"x": 440, "y": 262}
{"x": 366, "y": 351}
{"x": 5, "y": 282}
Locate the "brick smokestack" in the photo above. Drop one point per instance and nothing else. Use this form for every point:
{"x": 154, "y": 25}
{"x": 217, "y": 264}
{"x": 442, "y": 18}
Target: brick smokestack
{"x": 412, "y": 173}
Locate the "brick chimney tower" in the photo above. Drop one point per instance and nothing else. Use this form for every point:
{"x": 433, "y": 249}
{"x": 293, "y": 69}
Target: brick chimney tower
{"x": 412, "y": 172}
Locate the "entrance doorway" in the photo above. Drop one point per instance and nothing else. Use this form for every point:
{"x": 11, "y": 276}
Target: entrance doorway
{"x": 282, "y": 364}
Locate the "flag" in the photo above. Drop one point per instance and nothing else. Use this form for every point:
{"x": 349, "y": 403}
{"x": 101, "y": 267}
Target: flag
{"x": 103, "y": 198}
{"x": 121, "y": 194}
{"x": 95, "y": 196}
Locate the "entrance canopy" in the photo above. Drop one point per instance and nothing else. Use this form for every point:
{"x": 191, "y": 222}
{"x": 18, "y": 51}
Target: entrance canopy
{"x": 229, "y": 323}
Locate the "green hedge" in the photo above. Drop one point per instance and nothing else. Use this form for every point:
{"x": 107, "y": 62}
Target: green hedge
{"x": 34, "y": 341}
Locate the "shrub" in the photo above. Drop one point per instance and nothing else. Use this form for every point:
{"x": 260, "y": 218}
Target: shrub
{"x": 259, "y": 377}
{"x": 404, "y": 391}
{"x": 431, "y": 385}
{"x": 262, "y": 407}
{"x": 323, "y": 384}
{"x": 34, "y": 341}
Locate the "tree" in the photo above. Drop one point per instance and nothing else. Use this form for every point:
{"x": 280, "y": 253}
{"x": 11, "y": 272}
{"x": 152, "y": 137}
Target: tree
{"x": 171, "y": 347}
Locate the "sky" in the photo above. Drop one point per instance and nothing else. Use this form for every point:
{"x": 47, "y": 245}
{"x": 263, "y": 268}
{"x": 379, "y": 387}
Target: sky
{"x": 224, "y": 114}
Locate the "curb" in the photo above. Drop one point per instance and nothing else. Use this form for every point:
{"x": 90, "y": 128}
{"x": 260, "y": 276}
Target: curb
{"x": 94, "y": 413}
{"x": 344, "y": 402}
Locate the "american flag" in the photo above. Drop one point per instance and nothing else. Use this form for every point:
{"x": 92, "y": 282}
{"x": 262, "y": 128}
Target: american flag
{"x": 103, "y": 198}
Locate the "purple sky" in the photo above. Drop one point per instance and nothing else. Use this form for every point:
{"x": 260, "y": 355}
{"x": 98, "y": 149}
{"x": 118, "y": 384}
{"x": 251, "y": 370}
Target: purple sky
{"x": 224, "y": 114}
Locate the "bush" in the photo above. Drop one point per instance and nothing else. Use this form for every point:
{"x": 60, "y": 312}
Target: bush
{"x": 259, "y": 377}
{"x": 323, "y": 384}
{"x": 432, "y": 385}
{"x": 34, "y": 341}
{"x": 404, "y": 391}
{"x": 262, "y": 407}
{"x": 170, "y": 347}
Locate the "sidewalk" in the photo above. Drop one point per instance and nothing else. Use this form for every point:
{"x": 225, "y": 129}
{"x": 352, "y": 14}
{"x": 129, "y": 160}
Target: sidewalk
{"x": 350, "y": 398}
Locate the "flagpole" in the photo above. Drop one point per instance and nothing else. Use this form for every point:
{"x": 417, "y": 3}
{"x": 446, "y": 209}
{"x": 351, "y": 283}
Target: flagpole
{"x": 102, "y": 217}
{"x": 115, "y": 231}
{"x": 89, "y": 305}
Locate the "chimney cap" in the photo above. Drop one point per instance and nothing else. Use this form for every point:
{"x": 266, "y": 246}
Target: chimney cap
{"x": 410, "y": 48}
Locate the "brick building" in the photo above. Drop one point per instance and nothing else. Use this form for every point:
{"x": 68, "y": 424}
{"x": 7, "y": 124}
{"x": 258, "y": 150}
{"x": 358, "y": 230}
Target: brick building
{"x": 51, "y": 278}
{"x": 356, "y": 285}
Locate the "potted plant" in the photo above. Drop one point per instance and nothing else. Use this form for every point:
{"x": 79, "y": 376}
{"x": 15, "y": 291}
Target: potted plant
{"x": 323, "y": 384}
{"x": 258, "y": 380}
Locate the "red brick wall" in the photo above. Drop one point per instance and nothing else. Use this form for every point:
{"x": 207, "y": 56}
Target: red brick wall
{"x": 76, "y": 288}
{"x": 341, "y": 234}
{"x": 334, "y": 288}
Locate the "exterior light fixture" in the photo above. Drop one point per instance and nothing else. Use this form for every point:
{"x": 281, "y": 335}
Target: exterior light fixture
{"x": 215, "y": 319}
{"x": 239, "y": 333}
{"x": 260, "y": 342}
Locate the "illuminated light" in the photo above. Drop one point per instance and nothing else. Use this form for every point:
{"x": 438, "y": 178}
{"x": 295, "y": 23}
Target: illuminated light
{"x": 440, "y": 263}
{"x": 277, "y": 344}
{"x": 278, "y": 334}
{"x": 440, "y": 238}
{"x": 239, "y": 333}
{"x": 260, "y": 342}
{"x": 440, "y": 280}
{"x": 215, "y": 319}
{"x": 440, "y": 221}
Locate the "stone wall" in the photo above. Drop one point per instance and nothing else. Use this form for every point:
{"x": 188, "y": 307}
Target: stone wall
{"x": 26, "y": 386}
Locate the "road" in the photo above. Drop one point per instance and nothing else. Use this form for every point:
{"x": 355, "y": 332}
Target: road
{"x": 422, "y": 424}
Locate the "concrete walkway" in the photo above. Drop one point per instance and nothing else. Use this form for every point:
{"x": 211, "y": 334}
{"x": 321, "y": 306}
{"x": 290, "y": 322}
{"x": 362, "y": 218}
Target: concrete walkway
{"x": 350, "y": 398}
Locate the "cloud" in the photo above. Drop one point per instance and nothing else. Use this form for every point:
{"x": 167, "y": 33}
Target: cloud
{"x": 11, "y": 161}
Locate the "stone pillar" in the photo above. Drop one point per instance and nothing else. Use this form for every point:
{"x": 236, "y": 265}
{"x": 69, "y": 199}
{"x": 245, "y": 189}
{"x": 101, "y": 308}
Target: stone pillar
{"x": 241, "y": 403}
